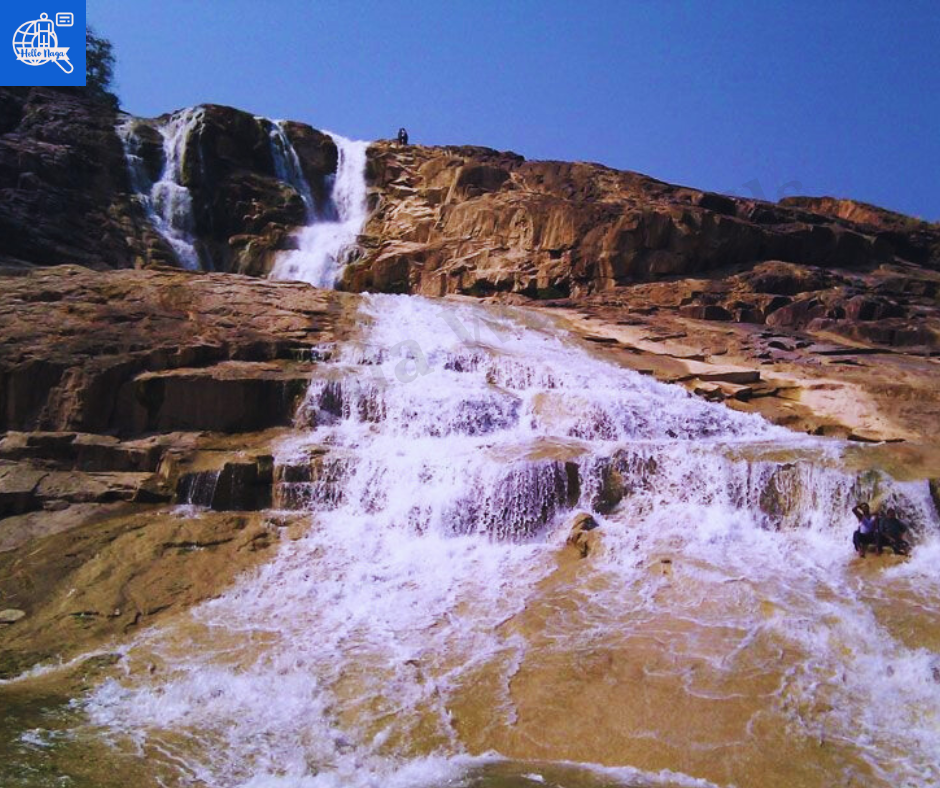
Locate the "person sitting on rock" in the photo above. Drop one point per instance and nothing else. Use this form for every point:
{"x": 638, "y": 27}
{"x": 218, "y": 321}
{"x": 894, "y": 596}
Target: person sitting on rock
{"x": 865, "y": 534}
{"x": 890, "y": 532}
{"x": 402, "y": 136}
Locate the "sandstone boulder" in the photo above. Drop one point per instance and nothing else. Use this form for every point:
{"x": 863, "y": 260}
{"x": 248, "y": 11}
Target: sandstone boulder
{"x": 582, "y": 535}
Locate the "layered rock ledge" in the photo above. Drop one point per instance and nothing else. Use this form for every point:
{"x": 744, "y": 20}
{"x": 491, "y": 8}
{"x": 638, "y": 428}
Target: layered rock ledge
{"x": 478, "y": 221}
{"x": 119, "y": 392}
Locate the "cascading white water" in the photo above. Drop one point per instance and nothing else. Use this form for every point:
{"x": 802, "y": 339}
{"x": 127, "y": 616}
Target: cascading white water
{"x": 167, "y": 202}
{"x": 324, "y": 244}
{"x": 287, "y": 164}
{"x": 425, "y": 624}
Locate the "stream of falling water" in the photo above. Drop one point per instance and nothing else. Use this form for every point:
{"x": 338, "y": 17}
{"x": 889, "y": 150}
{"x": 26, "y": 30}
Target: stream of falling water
{"x": 287, "y": 165}
{"x": 431, "y": 628}
{"x": 166, "y": 201}
{"x": 324, "y": 244}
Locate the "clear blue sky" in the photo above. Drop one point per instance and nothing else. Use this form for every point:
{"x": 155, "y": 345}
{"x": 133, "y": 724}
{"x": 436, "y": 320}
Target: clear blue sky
{"x": 827, "y": 97}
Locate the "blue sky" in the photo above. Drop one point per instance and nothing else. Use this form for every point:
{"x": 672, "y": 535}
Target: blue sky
{"x": 754, "y": 98}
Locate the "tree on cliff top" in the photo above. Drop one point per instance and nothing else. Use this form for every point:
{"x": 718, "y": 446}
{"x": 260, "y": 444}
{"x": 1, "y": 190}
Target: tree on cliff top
{"x": 99, "y": 66}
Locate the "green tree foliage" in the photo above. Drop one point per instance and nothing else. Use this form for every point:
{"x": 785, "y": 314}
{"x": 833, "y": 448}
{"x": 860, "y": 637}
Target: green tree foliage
{"x": 99, "y": 66}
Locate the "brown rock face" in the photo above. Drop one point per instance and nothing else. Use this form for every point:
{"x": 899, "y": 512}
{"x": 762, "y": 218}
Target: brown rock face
{"x": 121, "y": 393}
{"x": 243, "y": 212}
{"x": 909, "y": 238}
{"x": 128, "y": 352}
{"x": 476, "y": 221}
{"x": 479, "y": 222}
{"x": 63, "y": 184}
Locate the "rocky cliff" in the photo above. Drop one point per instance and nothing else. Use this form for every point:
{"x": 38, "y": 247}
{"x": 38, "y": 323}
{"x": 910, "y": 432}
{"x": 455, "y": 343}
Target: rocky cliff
{"x": 444, "y": 220}
{"x": 67, "y": 194}
{"x": 242, "y": 210}
{"x": 479, "y": 222}
{"x": 63, "y": 184}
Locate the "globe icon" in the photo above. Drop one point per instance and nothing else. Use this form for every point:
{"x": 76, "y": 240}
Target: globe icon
{"x": 28, "y": 37}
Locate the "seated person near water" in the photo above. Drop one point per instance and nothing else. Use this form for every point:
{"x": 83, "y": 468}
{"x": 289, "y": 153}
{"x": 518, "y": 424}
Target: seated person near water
{"x": 890, "y": 531}
{"x": 866, "y": 534}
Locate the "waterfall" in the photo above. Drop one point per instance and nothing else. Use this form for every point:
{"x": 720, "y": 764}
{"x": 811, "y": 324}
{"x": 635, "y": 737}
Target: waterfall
{"x": 429, "y": 626}
{"x": 167, "y": 202}
{"x": 287, "y": 164}
{"x": 323, "y": 246}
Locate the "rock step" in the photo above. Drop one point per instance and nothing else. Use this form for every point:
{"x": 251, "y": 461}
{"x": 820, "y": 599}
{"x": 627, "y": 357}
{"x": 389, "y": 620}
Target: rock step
{"x": 26, "y": 488}
{"x": 236, "y": 486}
{"x": 82, "y": 451}
{"x": 229, "y": 397}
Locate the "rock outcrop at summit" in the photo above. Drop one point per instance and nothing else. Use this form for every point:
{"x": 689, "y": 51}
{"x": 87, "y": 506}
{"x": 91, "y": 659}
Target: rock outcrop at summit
{"x": 242, "y": 211}
{"x": 63, "y": 183}
{"x": 67, "y": 196}
{"x": 479, "y": 222}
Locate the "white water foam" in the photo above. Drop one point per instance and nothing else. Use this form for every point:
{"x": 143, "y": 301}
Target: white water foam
{"x": 324, "y": 245}
{"x": 458, "y": 437}
{"x": 287, "y": 165}
{"x": 167, "y": 202}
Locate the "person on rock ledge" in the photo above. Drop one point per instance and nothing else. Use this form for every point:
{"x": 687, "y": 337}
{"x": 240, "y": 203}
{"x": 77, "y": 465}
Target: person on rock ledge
{"x": 865, "y": 534}
{"x": 402, "y": 136}
{"x": 890, "y": 533}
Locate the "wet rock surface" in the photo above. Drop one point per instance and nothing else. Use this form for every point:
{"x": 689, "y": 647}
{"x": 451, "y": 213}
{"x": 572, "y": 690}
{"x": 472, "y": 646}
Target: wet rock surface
{"x": 239, "y": 485}
{"x": 243, "y": 212}
{"x": 110, "y": 573}
{"x": 582, "y": 536}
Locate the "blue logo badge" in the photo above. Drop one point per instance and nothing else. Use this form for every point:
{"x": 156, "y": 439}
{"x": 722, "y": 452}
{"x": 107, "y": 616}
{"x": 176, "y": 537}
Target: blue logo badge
{"x": 48, "y": 42}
